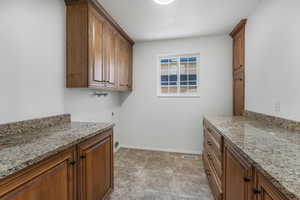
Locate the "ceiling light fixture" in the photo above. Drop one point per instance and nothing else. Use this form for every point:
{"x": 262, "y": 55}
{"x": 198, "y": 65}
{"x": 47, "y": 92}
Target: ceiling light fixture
{"x": 163, "y": 2}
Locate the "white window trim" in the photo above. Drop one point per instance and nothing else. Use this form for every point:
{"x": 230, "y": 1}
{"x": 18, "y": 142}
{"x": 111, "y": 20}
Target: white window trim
{"x": 177, "y": 95}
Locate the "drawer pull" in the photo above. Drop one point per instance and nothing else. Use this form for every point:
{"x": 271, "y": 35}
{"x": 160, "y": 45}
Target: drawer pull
{"x": 73, "y": 162}
{"x": 83, "y": 156}
{"x": 207, "y": 172}
{"x": 209, "y": 156}
{"x": 246, "y": 179}
{"x": 256, "y": 191}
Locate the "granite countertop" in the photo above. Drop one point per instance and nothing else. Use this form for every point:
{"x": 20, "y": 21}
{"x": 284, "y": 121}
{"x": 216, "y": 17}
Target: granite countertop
{"x": 19, "y": 149}
{"x": 273, "y": 150}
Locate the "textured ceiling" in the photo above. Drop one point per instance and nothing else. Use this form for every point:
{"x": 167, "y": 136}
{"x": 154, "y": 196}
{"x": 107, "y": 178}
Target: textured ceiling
{"x": 146, "y": 20}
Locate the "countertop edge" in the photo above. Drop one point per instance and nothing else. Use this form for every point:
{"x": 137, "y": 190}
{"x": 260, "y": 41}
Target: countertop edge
{"x": 276, "y": 183}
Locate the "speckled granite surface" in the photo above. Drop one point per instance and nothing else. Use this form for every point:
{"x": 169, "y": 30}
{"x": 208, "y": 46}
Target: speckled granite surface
{"x": 31, "y": 125}
{"x": 284, "y": 123}
{"x": 20, "y": 149}
{"x": 273, "y": 150}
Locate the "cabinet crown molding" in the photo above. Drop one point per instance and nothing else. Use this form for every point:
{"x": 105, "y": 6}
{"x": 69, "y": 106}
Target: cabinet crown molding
{"x": 238, "y": 27}
{"x": 105, "y": 14}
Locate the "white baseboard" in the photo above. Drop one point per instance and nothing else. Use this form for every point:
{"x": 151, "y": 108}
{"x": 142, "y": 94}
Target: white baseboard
{"x": 165, "y": 150}
{"x": 117, "y": 149}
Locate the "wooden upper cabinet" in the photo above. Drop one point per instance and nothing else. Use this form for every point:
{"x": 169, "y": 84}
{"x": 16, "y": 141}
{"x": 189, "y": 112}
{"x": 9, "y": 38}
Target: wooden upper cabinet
{"x": 238, "y": 176}
{"x": 109, "y": 54}
{"x": 92, "y": 60}
{"x": 124, "y": 60}
{"x": 238, "y": 35}
{"x": 96, "y": 167}
{"x": 52, "y": 179}
{"x": 96, "y": 60}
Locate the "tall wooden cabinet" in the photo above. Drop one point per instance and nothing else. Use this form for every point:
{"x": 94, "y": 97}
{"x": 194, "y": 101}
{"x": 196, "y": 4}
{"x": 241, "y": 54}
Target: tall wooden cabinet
{"x": 238, "y": 35}
{"x": 99, "y": 52}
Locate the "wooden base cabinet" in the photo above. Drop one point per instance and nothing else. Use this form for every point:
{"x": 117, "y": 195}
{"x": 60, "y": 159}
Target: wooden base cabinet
{"x": 84, "y": 172}
{"x": 52, "y": 179}
{"x": 96, "y": 168}
{"x": 212, "y": 159}
{"x": 265, "y": 190}
{"x": 238, "y": 176}
{"x": 237, "y": 179}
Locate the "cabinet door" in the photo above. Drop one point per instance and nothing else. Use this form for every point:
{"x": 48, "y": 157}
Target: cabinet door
{"x": 238, "y": 36}
{"x": 238, "y": 176}
{"x": 266, "y": 191}
{"x": 96, "y": 70}
{"x": 239, "y": 93}
{"x": 124, "y": 59}
{"x": 96, "y": 168}
{"x": 109, "y": 54}
{"x": 51, "y": 180}
{"x": 239, "y": 50}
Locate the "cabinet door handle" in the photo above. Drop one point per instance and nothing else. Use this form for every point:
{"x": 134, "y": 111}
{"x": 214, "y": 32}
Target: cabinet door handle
{"x": 209, "y": 156}
{"x": 83, "y": 156}
{"x": 73, "y": 162}
{"x": 256, "y": 191}
{"x": 246, "y": 179}
{"x": 123, "y": 84}
{"x": 207, "y": 172}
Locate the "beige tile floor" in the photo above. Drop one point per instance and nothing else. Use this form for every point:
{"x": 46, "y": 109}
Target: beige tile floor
{"x": 154, "y": 175}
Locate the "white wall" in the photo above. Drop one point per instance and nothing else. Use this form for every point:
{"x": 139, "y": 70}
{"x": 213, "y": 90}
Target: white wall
{"x": 175, "y": 124}
{"x": 32, "y": 66}
{"x": 86, "y": 107}
{"x": 32, "y": 81}
{"x": 32, "y": 59}
{"x": 272, "y": 59}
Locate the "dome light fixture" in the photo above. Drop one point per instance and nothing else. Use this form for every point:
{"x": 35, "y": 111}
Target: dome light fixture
{"x": 163, "y": 2}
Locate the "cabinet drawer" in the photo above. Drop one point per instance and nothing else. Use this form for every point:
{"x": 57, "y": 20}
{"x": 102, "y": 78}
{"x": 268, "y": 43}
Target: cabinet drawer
{"x": 213, "y": 180}
{"x": 214, "y": 161}
{"x": 213, "y": 145}
{"x": 214, "y": 134}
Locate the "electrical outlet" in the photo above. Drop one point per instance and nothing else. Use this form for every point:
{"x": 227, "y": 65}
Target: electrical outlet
{"x": 277, "y": 107}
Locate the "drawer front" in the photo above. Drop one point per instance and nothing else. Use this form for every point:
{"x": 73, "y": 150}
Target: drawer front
{"x": 213, "y": 145}
{"x": 214, "y": 161}
{"x": 213, "y": 181}
{"x": 213, "y": 133}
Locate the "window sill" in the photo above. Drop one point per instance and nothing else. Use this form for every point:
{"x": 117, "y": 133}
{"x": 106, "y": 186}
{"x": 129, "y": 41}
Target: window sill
{"x": 179, "y": 96}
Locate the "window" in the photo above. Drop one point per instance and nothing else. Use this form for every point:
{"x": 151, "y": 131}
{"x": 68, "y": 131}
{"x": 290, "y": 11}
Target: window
{"x": 178, "y": 75}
